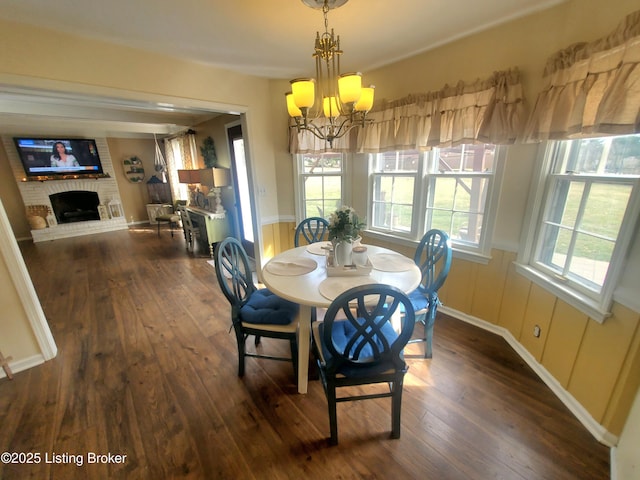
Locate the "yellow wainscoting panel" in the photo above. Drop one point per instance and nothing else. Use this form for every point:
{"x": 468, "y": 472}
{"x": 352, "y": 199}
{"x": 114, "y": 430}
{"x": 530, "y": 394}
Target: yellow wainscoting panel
{"x": 457, "y": 291}
{"x": 276, "y": 238}
{"x": 269, "y": 246}
{"x": 539, "y": 310}
{"x": 489, "y": 285}
{"x": 600, "y": 359}
{"x": 514, "y": 301}
{"x": 287, "y": 231}
{"x": 628, "y": 382}
{"x": 566, "y": 330}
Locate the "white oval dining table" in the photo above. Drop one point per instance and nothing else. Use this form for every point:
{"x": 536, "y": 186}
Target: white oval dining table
{"x": 293, "y": 275}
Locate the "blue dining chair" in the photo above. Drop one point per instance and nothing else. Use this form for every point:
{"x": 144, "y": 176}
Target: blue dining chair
{"x": 357, "y": 344}
{"x": 254, "y": 311}
{"x": 312, "y": 229}
{"x": 433, "y": 257}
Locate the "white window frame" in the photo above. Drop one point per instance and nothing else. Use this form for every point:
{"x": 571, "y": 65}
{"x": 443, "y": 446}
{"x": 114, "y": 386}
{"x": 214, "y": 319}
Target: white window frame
{"x": 416, "y": 220}
{"x": 423, "y": 194}
{"x": 299, "y": 190}
{"x": 596, "y": 306}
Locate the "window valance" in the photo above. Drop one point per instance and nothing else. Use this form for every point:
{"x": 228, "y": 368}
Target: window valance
{"x": 485, "y": 111}
{"x": 592, "y": 88}
{"x": 488, "y": 111}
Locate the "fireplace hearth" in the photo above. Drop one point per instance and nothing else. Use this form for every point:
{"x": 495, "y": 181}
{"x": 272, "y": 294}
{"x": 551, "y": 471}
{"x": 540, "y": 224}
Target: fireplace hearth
{"x": 75, "y": 206}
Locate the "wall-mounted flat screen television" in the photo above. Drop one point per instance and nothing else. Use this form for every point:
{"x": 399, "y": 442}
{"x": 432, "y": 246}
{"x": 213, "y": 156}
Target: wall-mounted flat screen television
{"x": 46, "y": 157}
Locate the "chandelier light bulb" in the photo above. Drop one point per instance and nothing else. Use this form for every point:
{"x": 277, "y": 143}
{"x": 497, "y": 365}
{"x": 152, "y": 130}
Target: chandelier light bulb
{"x": 303, "y": 90}
{"x": 330, "y": 107}
{"x": 293, "y": 109}
{"x": 350, "y": 87}
{"x": 365, "y": 102}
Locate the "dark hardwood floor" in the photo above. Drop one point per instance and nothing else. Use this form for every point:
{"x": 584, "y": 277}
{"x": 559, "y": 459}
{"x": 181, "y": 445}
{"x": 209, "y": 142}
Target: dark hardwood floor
{"x": 147, "y": 368}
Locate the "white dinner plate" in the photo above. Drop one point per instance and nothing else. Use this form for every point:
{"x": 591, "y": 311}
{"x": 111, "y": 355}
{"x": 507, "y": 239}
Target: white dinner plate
{"x": 318, "y": 248}
{"x": 292, "y": 266}
{"x": 331, "y": 287}
{"x": 391, "y": 262}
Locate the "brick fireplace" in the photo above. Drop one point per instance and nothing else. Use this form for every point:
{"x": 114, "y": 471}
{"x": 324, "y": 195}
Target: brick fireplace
{"x": 107, "y": 215}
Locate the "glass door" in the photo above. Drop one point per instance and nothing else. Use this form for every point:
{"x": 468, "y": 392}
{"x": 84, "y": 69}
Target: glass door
{"x": 241, "y": 181}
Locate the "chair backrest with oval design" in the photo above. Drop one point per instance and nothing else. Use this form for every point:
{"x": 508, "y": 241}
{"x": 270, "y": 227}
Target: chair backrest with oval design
{"x": 256, "y": 312}
{"x": 233, "y": 271}
{"x": 312, "y": 229}
{"x": 433, "y": 256}
{"x": 357, "y": 344}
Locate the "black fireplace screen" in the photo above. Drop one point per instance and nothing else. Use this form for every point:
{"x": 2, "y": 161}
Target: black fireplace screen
{"x": 75, "y": 206}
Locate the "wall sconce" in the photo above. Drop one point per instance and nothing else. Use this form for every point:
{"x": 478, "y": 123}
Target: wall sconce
{"x": 214, "y": 178}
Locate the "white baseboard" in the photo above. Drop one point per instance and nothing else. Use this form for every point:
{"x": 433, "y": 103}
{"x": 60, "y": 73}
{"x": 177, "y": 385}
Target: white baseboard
{"x": 598, "y": 431}
{"x": 23, "y": 364}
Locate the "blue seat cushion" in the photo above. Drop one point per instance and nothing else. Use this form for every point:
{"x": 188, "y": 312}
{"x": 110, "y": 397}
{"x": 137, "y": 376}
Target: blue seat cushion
{"x": 418, "y": 300}
{"x": 265, "y": 307}
{"x": 342, "y": 332}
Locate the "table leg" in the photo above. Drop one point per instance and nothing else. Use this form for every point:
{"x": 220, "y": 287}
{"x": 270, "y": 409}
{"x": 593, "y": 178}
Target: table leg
{"x": 304, "y": 338}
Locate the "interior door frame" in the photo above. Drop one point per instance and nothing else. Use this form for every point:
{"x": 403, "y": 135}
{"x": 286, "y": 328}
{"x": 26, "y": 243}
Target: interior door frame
{"x": 255, "y": 214}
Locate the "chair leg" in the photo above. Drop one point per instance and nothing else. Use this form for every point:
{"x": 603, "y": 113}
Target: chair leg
{"x": 396, "y": 407}
{"x": 294, "y": 356}
{"x": 428, "y": 338}
{"x": 240, "y": 339}
{"x": 333, "y": 417}
{"x": 158, "y": 227}
{"x": 429, "y": 322}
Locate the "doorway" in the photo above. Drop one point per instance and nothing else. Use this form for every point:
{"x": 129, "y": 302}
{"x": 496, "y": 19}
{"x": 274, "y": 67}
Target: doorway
{"x": 241, "y": 192}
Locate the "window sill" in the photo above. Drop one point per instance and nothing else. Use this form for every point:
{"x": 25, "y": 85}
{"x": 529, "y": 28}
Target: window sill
{"x": 467, "y": 255}
{"x": 585, "y": 304}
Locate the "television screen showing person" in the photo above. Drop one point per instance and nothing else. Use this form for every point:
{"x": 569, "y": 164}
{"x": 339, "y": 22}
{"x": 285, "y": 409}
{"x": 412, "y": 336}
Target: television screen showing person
{"x": 60, "y": 157}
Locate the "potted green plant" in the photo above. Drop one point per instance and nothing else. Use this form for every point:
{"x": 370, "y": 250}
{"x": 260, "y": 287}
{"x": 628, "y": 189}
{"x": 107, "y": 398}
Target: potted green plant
{"x": 344, "y": 230}
{"x": 208, "y": 151}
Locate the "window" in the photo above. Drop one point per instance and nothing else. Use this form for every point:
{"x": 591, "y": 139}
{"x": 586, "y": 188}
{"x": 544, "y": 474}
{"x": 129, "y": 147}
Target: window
{"x": 320, "y": 185}
{"x": 180, "y": 152}
{"x": 587, "y": 216}
{"x": 459, "y": 179}
{"x": 395, "y": 175}
{"x": 455, "y": 186}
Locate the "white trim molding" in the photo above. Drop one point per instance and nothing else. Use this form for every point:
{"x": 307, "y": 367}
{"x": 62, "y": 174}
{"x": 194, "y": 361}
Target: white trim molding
{"x": 24, "y": 364}
{"x": 22, "y": 281}
{"x": 598, "y": 431}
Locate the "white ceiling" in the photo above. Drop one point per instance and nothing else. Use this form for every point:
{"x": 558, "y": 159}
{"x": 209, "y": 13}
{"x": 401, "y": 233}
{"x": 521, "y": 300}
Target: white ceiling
{"x": 268, "y": 38}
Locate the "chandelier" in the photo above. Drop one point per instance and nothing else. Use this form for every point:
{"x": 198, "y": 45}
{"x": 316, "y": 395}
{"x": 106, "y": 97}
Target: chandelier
{"x": 344, "y": 102}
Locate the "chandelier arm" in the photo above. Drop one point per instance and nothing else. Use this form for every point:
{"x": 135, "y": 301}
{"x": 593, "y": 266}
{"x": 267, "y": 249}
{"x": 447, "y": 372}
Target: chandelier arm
{"x": 312, "y": 128}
